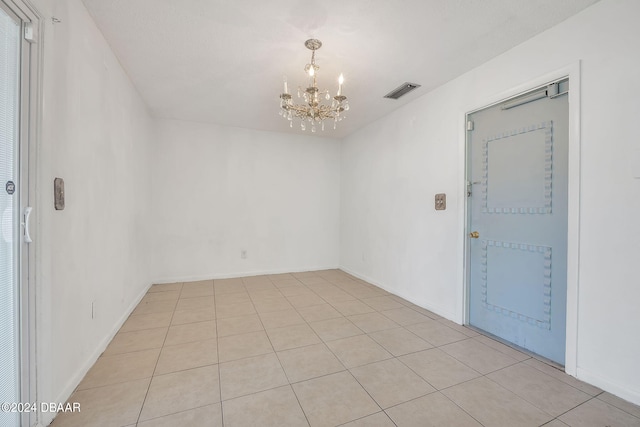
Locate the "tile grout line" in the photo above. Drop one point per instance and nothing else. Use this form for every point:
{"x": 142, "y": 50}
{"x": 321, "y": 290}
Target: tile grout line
{"x": 461, "y": 408}
{"x": 444, "y": 388}
{"x": 516, "y": 394}
{"x": 349, "y": 369}
{"x": 159, "y": 355}
{"x": 552, "y": 379}
{"x": 215, "y": 317}
{"x": 597, "y": 396}
{"x": 375, "y": 310}
{"x": 488, "y": 373}
{"x": 370, "y": 415}
{"x": 180, "y": 370}
{"x": 569, "y": 410}
{"x": 274, "y": 350}
{"x": 324, "y": 342}
{"x": 282, "y": 367}
{"x": 563, "y": 374}
{"x": 246, "y": 357}
{"x": 354, "y": 287}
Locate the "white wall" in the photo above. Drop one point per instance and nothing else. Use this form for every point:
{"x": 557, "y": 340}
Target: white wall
{"x": 391, "y": 235}
{"x": 288, "y": 200}
{"x": 97, "y": 136}
{"x": 212, "y": 191}
{"x": 220, "y": 190}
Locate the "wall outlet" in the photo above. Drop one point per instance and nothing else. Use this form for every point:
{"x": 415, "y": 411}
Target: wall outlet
{"x": 243, "y": 254}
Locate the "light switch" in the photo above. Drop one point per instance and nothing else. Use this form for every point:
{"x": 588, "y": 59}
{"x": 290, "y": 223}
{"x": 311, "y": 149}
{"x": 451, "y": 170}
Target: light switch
{"x": 58, "y": 194}
{"x": 441, "y": 201}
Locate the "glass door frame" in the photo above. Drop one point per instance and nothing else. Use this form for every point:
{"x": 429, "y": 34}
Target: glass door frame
{"x": 29, "y": 134}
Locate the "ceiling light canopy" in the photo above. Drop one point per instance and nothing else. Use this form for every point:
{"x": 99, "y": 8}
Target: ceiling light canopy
{"x": 313, "y": 110}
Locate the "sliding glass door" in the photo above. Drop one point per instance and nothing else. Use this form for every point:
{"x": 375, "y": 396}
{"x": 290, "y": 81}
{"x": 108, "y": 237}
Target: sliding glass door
{"x": 10, "y": 240}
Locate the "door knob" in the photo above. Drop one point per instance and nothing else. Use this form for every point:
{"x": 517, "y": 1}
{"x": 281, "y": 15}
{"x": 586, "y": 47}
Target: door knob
{"x": 474, "y": 234}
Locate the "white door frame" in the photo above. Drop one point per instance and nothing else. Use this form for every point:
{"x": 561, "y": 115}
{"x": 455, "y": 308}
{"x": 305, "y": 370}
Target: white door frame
{"x": 30, "y": 126}
{"x": 571, "y": 71}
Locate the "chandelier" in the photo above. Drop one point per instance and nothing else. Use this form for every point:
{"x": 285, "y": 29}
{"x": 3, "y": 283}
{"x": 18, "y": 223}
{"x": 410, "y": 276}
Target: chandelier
{"x": 314, "y": 110}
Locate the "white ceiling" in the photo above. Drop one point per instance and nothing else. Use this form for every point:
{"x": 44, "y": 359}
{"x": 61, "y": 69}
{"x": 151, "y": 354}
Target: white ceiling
{"x": 223, "y": 61}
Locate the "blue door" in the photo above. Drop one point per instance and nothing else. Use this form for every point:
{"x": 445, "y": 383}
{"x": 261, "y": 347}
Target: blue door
{"x": 517, "y": 159}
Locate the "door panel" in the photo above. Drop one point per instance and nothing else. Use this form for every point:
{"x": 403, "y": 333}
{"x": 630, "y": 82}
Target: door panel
{"x": 517, "y": 160}
{"x": 10, "y": 45}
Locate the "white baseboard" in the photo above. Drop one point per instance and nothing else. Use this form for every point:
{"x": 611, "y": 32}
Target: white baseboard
{"x": 606, "y": 384}
{"x": 211, "y": 276}
{"x": 420, "y": 303}
{"x": 609, "y": 385}
{"x": 80, "y": 373}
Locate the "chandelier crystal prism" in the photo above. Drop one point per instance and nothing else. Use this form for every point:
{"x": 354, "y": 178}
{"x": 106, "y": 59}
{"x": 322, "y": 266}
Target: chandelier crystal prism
{"x": 315, "y": 109}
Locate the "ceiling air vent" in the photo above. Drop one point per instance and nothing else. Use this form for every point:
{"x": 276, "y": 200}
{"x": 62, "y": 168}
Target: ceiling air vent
{"x": 401, "y": 90}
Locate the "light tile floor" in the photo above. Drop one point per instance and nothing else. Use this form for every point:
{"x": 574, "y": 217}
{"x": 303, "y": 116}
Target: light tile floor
{"x": 322, "y": 349}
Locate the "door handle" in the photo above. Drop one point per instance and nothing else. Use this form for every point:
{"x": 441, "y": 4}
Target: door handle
{"x": 474, "y": 234}
{"x": 27, "y": 214}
